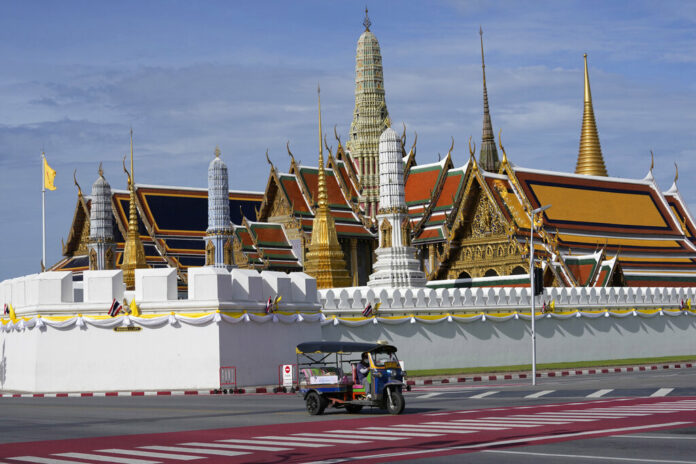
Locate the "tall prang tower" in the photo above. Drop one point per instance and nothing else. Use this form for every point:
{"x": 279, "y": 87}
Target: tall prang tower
{"x": 369, "y": 117}
{"x": 101, "y": 243}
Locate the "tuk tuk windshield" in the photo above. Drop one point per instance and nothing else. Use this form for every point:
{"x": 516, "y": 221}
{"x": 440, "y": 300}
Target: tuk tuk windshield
{"x": 384, "y": 359}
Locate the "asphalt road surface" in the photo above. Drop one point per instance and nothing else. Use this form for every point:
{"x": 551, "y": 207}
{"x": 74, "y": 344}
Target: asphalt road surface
{"x": 644, "y": 417}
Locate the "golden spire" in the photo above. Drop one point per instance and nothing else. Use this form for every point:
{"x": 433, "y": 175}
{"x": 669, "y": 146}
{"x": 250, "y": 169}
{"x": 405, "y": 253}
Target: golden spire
{"x": 590, "y": 161}
{"x": 324, "y": 260}
{"x": 321, "y": 188}
{"x": 133, "y": 252}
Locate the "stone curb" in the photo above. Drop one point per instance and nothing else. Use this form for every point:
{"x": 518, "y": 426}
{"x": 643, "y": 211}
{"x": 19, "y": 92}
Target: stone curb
{"x": 564, "y": 373}
{"x": 269, "y": 390}
{"x": 235, "y": 391}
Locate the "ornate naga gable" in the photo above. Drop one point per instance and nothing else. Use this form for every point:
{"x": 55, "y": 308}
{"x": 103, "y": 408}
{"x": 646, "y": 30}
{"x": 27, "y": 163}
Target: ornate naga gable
{"x": 479, "y": 242}
{"x": 79, "y": 230}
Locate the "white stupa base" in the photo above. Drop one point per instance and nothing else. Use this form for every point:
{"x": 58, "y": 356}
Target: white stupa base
{"x": 397, "y": 267}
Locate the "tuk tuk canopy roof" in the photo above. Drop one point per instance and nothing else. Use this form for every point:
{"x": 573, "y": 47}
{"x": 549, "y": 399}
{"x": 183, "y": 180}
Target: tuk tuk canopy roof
{"x": 343, "y": 347}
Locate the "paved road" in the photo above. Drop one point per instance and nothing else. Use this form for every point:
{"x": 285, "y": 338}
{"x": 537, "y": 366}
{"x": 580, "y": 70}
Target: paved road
{"x": 611, "y": 418}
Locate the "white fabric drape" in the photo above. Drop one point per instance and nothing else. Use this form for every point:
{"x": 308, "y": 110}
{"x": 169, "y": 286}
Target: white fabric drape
{"x": 173, "y": 319}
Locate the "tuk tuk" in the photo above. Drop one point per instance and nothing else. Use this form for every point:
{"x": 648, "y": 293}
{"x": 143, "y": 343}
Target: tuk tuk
{"x": 328, "y": 375}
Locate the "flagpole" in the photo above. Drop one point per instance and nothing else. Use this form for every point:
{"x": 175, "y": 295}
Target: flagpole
{"x": 43, "y": 208}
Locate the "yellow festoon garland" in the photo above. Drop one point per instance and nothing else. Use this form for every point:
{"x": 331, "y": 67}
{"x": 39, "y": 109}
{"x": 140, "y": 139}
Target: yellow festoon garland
{"x": 201, "y": 318}
{"x": 157, "y": 319}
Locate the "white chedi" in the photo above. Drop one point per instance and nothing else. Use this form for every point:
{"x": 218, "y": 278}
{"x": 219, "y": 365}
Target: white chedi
{"x": 396, "y": 264}
{"x": 219, "y": 232}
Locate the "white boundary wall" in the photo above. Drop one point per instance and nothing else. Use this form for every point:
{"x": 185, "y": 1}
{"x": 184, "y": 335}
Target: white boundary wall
{"x": 58, "y": 345}
{"x": 589, "y": 323}
{"x": 487, "y": 343}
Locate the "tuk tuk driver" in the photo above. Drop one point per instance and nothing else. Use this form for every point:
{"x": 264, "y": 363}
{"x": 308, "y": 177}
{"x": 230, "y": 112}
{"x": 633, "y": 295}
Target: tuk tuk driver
{"x": 363, "y": 368}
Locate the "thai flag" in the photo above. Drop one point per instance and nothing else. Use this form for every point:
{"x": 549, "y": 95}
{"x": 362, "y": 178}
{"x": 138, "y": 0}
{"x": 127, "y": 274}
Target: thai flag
{"x": 368, "y": 310}
{"x": 269, "y": 305}
{"x": 7, "y": 309}
{"x": 115, "y": 308}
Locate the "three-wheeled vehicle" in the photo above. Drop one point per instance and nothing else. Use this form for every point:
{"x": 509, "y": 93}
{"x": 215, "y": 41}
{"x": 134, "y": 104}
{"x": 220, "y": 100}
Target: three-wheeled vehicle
{"x": 328, "y": 376}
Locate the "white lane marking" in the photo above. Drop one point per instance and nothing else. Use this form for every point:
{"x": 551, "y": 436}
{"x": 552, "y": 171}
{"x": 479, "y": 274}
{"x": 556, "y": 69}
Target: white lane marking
{"x": 320, "y": 440}
{"x": 591, "y": 414}
{"x": 446, "y": 428}
{"x": 483, "y": 395}
{"x": 536, "y": 418}
{"x": 399, "y": 436}
{"x": 243, "y": 447}
{"x": 655, "y": 437}
{"x": 44, "y": 460}
{"x": 98, "y": 457}
{"x": 539, "y": 394}
{"x": 351, "y": 434}
{"x": 600, "y": 393}
{"x": 502, "y": 424}
{"x": 151, "y": 454}
{"x": 442, "y": 429}
{"x": 276, "y": 442}
{"x": 414, "y": 432}
{"x": 179, "y": 449}
{"x": 427, "y": 395}
{"x": 531, "y": 420}
{"x": 501, "y": 442}
{"x": 662, "y": 392}
{"x": 582, "y": 456}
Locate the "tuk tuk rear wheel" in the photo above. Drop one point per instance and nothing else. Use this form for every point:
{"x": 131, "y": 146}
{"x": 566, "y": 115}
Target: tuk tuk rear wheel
{"x": 315, "y": 403}
{"x": 396, "y": 404}
{"x": 353, "y": 408}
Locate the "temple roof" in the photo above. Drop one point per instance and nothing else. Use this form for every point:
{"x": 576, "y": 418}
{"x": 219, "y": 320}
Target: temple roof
{"x": 422, "y": 187}
{"x": 299, "y": 188}
{"x": 171, "y": 220}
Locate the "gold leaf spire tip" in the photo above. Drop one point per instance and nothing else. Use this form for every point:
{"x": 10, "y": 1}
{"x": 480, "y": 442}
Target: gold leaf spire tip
{"x": 590, "y": 161}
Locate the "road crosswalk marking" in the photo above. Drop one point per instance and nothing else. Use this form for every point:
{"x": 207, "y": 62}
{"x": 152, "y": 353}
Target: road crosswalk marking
{"x": 243, "y": 447}
{"x": 600, "y": 393}
{"x": 428, "y": 395}
{"x": 349, "y": 434}
{"x": 539, "y": 394}
{"x": 483, "y": 395}
{"x": 663, "y": 392}
{"x": 97, "y": 457}
{"x": 444, "y": 429}
{"x": 150, "y": 454}
{"x": 320, "y": 440}
{"x": 195, "y": 450}
{"x": 276, "y": 442}
{"x": 399, "y": 436}
{"x": 457, "y": 426}
{"x": 44, "y": 460}
{"x": 413, "y": 432}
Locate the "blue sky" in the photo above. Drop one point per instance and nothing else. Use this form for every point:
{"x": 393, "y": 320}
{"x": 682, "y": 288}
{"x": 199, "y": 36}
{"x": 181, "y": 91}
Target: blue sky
{"x": 188, "y": 76}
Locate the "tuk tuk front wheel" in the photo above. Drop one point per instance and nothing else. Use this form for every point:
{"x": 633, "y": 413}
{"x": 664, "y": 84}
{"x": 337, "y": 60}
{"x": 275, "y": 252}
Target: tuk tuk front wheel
{"x": 395, "y": 402}
{"x": 315, "y": 403}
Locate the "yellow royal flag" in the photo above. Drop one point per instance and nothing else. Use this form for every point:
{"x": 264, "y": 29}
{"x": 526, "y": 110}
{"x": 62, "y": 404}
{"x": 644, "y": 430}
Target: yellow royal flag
{"x": 49, "y": 175}
{"x": 134, "y": 308}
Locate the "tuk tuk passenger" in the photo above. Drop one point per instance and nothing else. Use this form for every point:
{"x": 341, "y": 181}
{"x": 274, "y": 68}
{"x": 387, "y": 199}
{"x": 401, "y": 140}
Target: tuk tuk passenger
{"x": 363, "y": 368}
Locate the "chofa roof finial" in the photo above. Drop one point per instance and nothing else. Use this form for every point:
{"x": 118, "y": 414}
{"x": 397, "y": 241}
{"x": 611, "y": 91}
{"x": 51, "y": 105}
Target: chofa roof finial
{"x": 79, "y": 190}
